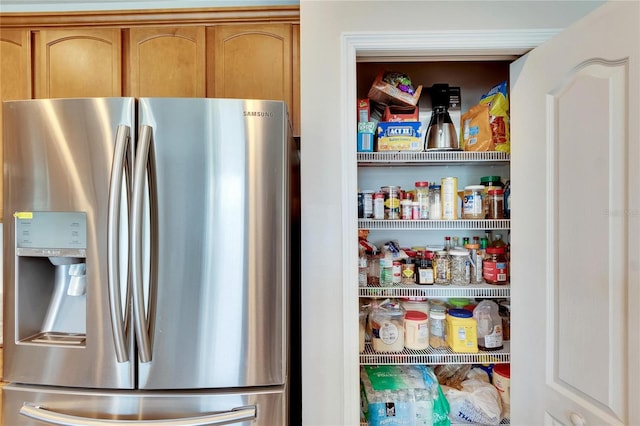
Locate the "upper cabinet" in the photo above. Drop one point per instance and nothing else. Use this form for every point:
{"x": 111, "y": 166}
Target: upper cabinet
{"x": 15, "y": 71}
{"x": 166, "y": 62}
{"x": 252, "y": 61}
{"x": 72, "y": 63}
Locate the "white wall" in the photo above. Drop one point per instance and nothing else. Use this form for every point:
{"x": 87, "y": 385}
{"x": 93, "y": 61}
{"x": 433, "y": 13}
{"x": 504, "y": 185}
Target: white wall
{"x": 324, "y": 173}
{"x": 76, "y": 5}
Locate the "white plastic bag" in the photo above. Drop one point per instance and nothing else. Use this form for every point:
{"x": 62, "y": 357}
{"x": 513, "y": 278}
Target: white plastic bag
{"x": 477, "y": 402}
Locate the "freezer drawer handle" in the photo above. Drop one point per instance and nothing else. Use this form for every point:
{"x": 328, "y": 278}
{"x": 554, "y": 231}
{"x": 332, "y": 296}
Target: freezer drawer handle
{"x": 236, "y": 415}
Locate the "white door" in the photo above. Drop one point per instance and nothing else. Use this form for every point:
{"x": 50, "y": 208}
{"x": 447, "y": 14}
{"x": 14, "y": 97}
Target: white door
{"x": 576, "y": 224}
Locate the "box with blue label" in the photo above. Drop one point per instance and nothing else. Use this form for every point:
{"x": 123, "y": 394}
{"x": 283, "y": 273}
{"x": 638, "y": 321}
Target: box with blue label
{"x": 400, "y": 136}
{"x": 366, "y": 134}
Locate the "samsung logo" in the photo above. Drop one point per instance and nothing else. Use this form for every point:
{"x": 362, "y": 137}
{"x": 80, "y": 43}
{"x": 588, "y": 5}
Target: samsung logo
{"x": 257, "y": 114}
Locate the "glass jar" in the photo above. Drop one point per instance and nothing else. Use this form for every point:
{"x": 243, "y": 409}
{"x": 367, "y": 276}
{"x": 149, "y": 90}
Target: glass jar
{"x": 496, "y": 204}
{"x": 489, "y": 182}
{"x": 441, "y": 268}
{"x": 435, "y": 204}
{"x": 422, "y": 198}
{"x": 408, "y": 271}
{"x": 386, "y": 272}
{"x": 424, "y": 273}
{"x": 494, "y": 266}
{"x": 437, "y": 328}
{"x": 460, "y": 266}
{"x": 391, "y": 202}
{"x": 472, "y": 202}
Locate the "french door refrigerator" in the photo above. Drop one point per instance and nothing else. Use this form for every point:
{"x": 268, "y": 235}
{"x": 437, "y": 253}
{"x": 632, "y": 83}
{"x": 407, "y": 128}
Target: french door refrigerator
{"x": 147, "y": 260}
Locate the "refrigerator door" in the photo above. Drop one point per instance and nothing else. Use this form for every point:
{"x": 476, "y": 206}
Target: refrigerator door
{"x": 218, "y": 183}
{"x": 38, "y": 405}
{"x": 65, "y": 218}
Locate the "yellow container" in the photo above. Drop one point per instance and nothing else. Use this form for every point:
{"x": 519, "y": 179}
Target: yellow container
{"x": 462, "y": 333}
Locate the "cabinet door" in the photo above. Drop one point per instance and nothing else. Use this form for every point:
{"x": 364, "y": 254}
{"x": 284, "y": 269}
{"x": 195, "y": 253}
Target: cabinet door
{"x": 253, "y": 62}
{"x": 78, "y": 63}
{"x": 15, "y": 73}
{"x": 166, "y": 62}
{"x": 575, "y": 224}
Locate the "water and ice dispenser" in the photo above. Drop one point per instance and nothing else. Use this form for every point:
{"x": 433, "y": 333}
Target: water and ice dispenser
{"x": 50, "y": 279}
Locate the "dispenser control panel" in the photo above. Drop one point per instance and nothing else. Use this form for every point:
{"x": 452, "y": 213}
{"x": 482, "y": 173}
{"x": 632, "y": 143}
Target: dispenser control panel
{"x": 51, "y": 233}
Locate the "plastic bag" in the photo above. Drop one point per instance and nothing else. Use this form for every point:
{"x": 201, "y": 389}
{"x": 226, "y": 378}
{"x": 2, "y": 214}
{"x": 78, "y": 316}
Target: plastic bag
{"x": 477, "y": 402}
{"x": 498, "y": 102}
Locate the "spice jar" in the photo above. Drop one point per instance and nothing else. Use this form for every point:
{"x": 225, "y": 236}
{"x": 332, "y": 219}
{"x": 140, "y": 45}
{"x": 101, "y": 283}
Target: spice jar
{"x": 494, "y": 266}
{"x": 472, "y": 202}
{"x": 437, "y": 328}
{"x": 416, "y": 330}
{"x": 435, "y": 204}
{"x": 460, "y": 266}
{"x": 422, "y": 198}
{"x": 441, "y": 268}
{"x": 378, "y": 205}
{"x": 496, "y": 204}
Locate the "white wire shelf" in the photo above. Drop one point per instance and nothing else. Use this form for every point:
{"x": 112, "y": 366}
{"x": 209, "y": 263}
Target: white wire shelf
{"x": 461, "y": 224}
{"x": 432, "y": 157}
{"x": 432, "y": 356}
{"x": 471, "y": 290}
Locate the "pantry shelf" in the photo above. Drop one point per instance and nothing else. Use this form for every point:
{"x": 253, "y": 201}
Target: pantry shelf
{"x": 459, "y": 224}
{"x": 403, "y": 158}
{"x": 471, "y": 290}
{"x": 432, "y": 356}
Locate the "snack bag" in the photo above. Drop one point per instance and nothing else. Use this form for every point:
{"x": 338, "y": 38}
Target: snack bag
{"x": 498, "y": 102}
{"x": 476, "y": 129}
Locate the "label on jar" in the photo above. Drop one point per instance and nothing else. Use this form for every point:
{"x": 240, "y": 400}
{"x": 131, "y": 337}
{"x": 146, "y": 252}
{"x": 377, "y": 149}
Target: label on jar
{"x": 472, "y": 206}
{"x": 494, "y": 272}
{"x": 378, "y": 206}
{"x": 397, "y": 272}
{"x": 425, "y": 275}
{"x": 388, "y": 333}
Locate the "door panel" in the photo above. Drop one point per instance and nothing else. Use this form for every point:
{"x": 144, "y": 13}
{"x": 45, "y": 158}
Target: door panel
{"x": 575, "y": 221}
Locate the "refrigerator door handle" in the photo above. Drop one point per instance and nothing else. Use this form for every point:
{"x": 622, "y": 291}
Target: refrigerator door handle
{"x": 235, "y": 415}
{"x": 113, "y": 241}
{"x": 139, "y": 174}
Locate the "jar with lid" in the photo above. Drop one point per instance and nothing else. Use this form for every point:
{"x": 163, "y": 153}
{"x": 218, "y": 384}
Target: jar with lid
{"x": 494, "y": 266}
{"x": 392, "y": 202}
{"x": 461, "y": 331}
{"x": 496, "y": 204}
{"x": 472, "y": 202}
{"x": 460, "y": 266}
{"x": 437, "y": 328}
{"x": 387, "y": 328}
{"x": 408, "y": 271}
{"x": 489, "y": 182}
{"x": 476, "y": 263}
{"x": 416, "y": 330}
{"x": 378, "y": 205}
{"x": 422, "y": 197}
{"x": 441, "y": 268}
{"x": 386, "y": 271}
{"x": 489, "y": 325}
{"x": 435, "y": 204}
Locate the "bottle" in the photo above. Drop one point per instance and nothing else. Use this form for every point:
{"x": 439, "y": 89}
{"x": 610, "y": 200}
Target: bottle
{"x": 447, "y": 243}
{"x": 363, "y": 267}
{"x": 424, "y": 274}
{"x": 409, "y": 271}
{"x": 422, "y": 198}
{"x": 498, "y": 241}
{"x": 489, "y": 325}
{"x": 386, "y": 272}
{"x": 435, "y": 203}
{"x": 494, "y": 266}
{"x": 456, "y": 242}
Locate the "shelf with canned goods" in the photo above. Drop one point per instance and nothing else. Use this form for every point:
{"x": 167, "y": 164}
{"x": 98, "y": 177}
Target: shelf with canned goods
{"x": 432, "y": 157}
{"x": 430, "y": 291}
{"x": 433, "y": 356}
{"x": 457, "y": 224}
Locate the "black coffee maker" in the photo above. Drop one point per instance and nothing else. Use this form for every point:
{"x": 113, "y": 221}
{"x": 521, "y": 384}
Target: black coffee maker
{"x": 441, "y": 133}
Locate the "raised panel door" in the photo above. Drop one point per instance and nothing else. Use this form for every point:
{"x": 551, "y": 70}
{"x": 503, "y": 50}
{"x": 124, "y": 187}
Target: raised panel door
{"x": 15, "y": 73}
{"x": 252, "y": 62}
{"x": 166, "y": 62}
{"x": 76, "y": 63}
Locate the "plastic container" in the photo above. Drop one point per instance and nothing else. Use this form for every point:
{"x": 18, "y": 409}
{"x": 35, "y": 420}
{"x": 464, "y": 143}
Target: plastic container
{"x": 472, "y": 202}
{"x": 449, "y": 197}
{"x": 501, "y": 379}
{"x": 494, "y": 266}
{"x": 387, "y": 328}
{"x": 386, "y": 272}
{"x": 461, "y": 334}
{"x": 489, "y": 325}
{"x": 435, "y": 203}
{"x": 378, "y": 205}
{"x": 496, "y": 204}
{"x": 416, "y": 330}
{"x": 422, "y": 198}
{"x": 489, "y": 182}
{"x": 460, "y": 266}
{"x": 437, "y": 327}
{"x": 416, "y": 305}
{"x": 441, "y": 268}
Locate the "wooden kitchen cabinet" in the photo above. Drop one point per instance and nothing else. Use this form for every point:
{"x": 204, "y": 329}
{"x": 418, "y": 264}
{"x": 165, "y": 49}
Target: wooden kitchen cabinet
{"x": 72, "y": 63}
{"x": 254, "y": 61}
{"x": 166, "y": 62}
{"x": 15, "y": 73}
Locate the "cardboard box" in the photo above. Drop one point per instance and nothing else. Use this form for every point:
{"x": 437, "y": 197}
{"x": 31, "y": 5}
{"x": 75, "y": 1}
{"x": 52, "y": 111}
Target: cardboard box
{"x": 388, "y": 94}
{"x": 366, "y": 136}
{"x": 364, "y": 110}
{"x": 398, "y": 113}
{"x": 401, "y": 136}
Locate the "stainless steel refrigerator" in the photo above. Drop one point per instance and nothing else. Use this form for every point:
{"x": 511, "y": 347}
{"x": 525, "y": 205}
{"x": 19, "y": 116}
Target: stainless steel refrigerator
{"x": 148, "y": 261}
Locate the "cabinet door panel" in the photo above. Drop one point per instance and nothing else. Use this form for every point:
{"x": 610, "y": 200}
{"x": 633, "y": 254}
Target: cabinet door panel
{"x": 253, "y": 61}
{"x": 167, "y": 62}
{"x": 78, "y": 63}
{"x": 15, "y": 73}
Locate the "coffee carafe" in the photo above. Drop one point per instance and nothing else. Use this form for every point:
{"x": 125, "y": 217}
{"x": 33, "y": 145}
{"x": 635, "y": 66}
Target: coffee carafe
{"x": 441, "y": 133}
